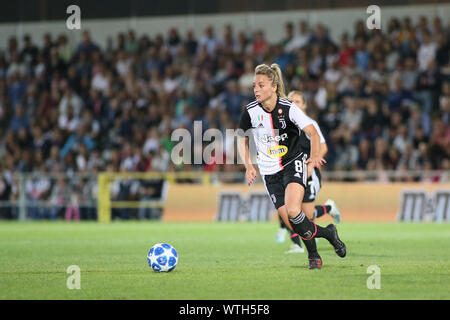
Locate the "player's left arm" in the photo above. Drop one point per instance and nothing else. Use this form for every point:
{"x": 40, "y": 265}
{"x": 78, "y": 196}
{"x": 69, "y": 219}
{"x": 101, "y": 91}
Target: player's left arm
{"x": 315, "y": 157}
{"x": 323, "y": 149}
{"x": 323, "y": 145}
{"x": 305, "y": 123}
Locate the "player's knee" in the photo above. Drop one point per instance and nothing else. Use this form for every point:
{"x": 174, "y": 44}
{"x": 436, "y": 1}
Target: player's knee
{"x": 293, "y": 211}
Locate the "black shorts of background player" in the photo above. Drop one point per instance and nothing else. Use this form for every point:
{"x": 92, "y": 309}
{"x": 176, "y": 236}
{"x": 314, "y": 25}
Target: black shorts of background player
{"x": 275, "y": 124}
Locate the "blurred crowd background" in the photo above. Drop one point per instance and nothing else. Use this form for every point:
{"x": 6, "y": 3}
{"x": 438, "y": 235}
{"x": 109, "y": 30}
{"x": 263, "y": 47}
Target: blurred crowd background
{"x": 381, "y": 98}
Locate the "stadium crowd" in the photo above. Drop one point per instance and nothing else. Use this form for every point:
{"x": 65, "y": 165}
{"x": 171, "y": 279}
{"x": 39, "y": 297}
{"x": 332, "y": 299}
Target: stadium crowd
{"x": 381, "y": 98}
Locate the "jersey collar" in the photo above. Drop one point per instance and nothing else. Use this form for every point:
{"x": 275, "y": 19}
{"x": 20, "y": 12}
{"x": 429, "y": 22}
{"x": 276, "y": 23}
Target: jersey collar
{"x": 278, "y": 102}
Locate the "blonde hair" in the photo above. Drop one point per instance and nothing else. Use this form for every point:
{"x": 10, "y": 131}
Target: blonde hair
{"x": 274, "y": 74}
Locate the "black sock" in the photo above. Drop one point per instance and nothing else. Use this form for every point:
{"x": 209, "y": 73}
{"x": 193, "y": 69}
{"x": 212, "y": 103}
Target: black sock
{"x": 309, "y": 230}
{"x": 282, "y": 225}
{"x": 306, "y": 229}
{"x": 321, "y": 210}
{"x": 311, "y": 248}
{"x": 295, "y": 238}
{"x": 303, "y": 226}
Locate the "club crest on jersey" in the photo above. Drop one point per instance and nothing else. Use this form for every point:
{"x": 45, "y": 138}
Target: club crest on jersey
{"x": 277, "y": 151}
{"x": 283, "y": 123}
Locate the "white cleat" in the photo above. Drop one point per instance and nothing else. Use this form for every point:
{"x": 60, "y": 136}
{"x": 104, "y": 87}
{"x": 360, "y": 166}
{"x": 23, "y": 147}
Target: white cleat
{"x": 295, "y": 248}
{"x": 334, "y": 212}
{"x": 281, "y": 235}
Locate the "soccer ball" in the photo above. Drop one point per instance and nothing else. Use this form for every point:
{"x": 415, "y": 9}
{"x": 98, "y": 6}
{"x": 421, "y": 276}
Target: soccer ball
{"x": 162, "y": 257}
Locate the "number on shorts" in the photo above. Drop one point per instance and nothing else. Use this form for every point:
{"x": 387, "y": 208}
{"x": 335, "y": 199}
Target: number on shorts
{"x": 312, "y": 190}
{"x": 298, "y": 166}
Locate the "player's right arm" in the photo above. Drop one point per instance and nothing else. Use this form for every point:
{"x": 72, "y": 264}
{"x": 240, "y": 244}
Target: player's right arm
{"x": 250, "y": 171}
{"x": 244, "y": 149}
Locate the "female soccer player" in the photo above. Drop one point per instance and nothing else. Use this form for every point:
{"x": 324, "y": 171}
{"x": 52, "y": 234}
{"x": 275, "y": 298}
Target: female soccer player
{"x": 276, "y": 125}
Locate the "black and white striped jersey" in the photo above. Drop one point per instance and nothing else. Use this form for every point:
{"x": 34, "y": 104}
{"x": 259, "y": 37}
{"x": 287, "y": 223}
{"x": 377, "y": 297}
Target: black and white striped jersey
{"x": 276, "y": 134}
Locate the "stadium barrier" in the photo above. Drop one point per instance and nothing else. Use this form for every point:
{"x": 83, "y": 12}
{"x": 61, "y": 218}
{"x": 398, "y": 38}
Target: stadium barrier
{"x": 233, "y": 206}
{"x": 418, "y": 206}
{"x": 105, "y": 204}
{"x": 357, "y": 201}
{"x": 199, "y": 196}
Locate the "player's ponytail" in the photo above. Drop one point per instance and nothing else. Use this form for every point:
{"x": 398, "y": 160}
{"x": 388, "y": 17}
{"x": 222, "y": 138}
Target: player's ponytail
{"x": 274, "y": 74}
{"x": 280, "y": 84}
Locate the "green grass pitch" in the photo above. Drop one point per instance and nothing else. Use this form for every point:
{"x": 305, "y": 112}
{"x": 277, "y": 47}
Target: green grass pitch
{"x": 220, "y": 261}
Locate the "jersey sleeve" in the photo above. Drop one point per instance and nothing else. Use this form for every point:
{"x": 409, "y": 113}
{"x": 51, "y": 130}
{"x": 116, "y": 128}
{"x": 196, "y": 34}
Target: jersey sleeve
{"x": 245, "y": 123}
{"x": 298, "y": 117}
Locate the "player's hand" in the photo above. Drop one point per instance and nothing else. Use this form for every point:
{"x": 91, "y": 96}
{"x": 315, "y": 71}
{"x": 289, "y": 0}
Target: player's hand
{"x": 250, "y": 175}
{"x": 315, "y": 162}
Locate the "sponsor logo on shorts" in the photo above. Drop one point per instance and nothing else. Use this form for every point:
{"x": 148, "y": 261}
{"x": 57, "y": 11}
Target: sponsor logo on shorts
{"x": 277, "y": 151}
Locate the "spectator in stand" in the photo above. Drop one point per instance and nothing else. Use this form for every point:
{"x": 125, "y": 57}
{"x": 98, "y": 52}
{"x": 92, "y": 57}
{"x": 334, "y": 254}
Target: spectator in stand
{"x": 428, "y": 87}
{"x": 74, "y": 141}
{"x": 427, "y": 51}
{"x": 191, "y": 43}
{"x": 87, "y": 46}
{"x": 362, "y": 56}
{"x": 288, "y": 34}
{"x": 209, "y": 40}
{"x": 19, "y": 120}
{"x": 29, "y": 53}
{"x": 301, "y": 40}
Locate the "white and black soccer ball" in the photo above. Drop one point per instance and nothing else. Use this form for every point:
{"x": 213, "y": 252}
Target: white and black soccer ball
{"x": 162, "y": 257}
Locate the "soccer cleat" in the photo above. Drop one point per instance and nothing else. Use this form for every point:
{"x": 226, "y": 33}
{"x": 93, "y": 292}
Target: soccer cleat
{"x": 281, "y": 235}
{"x": 295, "y": 248}
{"x": 334, "y": 212}
{"x": 315, "y": 263}
{"x": 339, "y": 246}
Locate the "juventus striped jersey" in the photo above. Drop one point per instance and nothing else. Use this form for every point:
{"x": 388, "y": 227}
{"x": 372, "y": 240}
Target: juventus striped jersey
{"x": 276, "y": 134}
